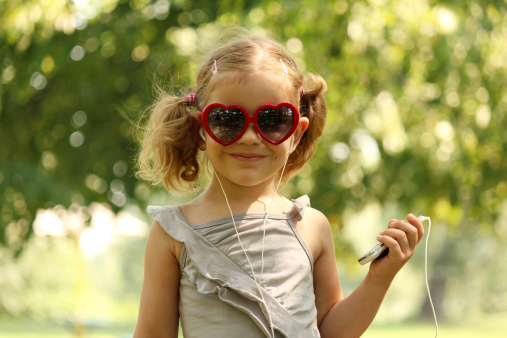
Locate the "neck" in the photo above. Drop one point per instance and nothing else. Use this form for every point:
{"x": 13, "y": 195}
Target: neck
{"x": 242, "y": 198}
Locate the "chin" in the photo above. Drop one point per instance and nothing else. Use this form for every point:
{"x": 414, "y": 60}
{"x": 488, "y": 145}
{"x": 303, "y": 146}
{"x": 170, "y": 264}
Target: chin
{"x": 248, "y": 180}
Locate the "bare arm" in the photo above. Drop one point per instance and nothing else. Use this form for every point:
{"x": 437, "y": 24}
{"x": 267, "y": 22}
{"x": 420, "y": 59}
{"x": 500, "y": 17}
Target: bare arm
{"x": 351, "y": 316}
{"x": 158, "y": 311}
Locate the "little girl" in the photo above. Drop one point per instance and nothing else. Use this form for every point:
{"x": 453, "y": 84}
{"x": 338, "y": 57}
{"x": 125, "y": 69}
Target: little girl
{"x": 241, "y": 260}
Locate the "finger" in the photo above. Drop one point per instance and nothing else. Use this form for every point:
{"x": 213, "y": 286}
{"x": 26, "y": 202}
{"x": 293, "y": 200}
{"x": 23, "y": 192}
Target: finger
{"x": 409, "y": 229}
{"x": 418, "y": 224}
{"x": 400, "y": 237}
{"x": 393, "y": 245}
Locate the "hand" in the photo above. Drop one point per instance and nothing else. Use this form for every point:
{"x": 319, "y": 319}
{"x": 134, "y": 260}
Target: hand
{"x": 401, "y": 238}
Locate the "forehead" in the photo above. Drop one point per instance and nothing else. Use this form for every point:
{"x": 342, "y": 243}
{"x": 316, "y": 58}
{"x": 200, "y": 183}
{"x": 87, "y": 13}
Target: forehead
{"x": 250, "y": 90}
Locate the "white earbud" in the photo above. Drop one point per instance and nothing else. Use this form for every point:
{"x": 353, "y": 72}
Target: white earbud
{"x": 201, "y": 133}
{"x": 291, "y": 144}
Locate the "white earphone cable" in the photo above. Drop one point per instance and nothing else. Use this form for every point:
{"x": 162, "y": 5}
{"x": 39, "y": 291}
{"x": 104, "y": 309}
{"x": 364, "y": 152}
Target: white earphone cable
{"x": 425, "y": 218}
{"x": 265, "y": 218}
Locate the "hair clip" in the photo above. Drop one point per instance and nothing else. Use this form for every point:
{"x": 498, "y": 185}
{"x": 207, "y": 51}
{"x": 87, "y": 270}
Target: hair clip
{"x": 283, "y": 65}
{"x": 214, "y": 69}
{"x": 191, "y": 99}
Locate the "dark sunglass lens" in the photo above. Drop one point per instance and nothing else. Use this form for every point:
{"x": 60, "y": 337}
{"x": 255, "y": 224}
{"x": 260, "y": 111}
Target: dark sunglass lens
{"x": 275, "y": 124}
{"x": 226, "y": 124}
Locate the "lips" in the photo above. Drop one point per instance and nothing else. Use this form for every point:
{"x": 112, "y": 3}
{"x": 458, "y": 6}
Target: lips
{"x": 247, "y": 157}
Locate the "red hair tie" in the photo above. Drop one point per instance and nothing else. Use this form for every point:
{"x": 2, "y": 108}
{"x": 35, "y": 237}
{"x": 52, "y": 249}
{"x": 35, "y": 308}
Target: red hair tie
{"x": 191, "y": 99}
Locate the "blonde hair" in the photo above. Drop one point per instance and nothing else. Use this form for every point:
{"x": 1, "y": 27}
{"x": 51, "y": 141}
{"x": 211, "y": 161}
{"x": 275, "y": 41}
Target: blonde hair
{"x": 170, "y": 149}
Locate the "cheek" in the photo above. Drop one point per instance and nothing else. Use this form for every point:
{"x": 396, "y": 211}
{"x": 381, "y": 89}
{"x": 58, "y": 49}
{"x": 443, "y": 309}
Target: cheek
{"x": 213, "y": 151}
{"x": 284, "y": 149}
{"x": 281, "y": 155}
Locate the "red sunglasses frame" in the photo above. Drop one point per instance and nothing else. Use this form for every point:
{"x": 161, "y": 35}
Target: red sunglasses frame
{"x": 203, "y": 116}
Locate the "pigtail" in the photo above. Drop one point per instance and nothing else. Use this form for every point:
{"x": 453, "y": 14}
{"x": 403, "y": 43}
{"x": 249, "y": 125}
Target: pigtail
{"x": 312, "y": 105}
{"x": 169, "y": 148}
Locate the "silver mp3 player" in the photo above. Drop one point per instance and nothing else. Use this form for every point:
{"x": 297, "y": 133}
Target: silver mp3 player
{"x": 378, "y": 251}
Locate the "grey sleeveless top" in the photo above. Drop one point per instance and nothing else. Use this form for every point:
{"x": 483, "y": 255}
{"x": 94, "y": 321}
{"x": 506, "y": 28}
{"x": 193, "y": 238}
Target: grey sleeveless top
{"x": 218, "y": 295}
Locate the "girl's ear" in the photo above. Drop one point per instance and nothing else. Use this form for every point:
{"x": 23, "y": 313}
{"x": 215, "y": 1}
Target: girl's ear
{"x": 201, "y": 134}
{"x": 300, "y": 130}
{"x": 202, "y": 140}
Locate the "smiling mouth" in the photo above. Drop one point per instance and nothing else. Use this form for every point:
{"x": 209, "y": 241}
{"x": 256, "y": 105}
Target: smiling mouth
{"x": 247, "y": 157}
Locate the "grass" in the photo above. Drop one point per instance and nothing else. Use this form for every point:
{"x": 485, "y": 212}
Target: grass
{"x": 491, "y": 326}
{"x": 25, "y": 328}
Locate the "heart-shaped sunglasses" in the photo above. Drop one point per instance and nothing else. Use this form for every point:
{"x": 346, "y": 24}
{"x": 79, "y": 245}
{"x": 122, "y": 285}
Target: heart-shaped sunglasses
{"x": 226, "y": 124}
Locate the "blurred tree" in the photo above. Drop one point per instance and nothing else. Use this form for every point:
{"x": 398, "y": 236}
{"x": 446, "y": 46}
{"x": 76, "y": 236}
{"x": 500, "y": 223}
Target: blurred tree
{"x": 69, "y": 71}
{"x": 417, "y": 102}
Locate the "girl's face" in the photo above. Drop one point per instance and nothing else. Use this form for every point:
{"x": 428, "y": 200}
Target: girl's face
{"x": 251, "y": 160}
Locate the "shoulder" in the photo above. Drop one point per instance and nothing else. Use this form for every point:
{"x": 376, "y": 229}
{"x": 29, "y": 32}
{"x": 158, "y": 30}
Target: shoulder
{"x": 315, "y": 216}
{"x": 315, "y": 229}
{"x": 168, "y": 224}
{"x": 315, "y": 221}
{"x": 160, "y": 244}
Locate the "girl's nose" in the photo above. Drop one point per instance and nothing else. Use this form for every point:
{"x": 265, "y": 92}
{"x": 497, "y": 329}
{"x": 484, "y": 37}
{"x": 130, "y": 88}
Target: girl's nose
{"x": 251, "y": 136}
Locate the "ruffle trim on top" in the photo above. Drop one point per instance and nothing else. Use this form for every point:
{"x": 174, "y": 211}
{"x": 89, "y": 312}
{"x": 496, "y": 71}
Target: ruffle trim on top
{"x": 231, "y": 292}
{"x": 300, "y": 204}
{"x": 212, "y": 271}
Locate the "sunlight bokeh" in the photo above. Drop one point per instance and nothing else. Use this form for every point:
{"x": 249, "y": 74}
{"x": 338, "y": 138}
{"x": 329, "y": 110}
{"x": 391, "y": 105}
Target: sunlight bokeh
{"x": 417, "y": 102}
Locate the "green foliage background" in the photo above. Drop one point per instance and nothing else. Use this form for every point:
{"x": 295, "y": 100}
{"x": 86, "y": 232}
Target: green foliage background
{"x": 417, "y": 99}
